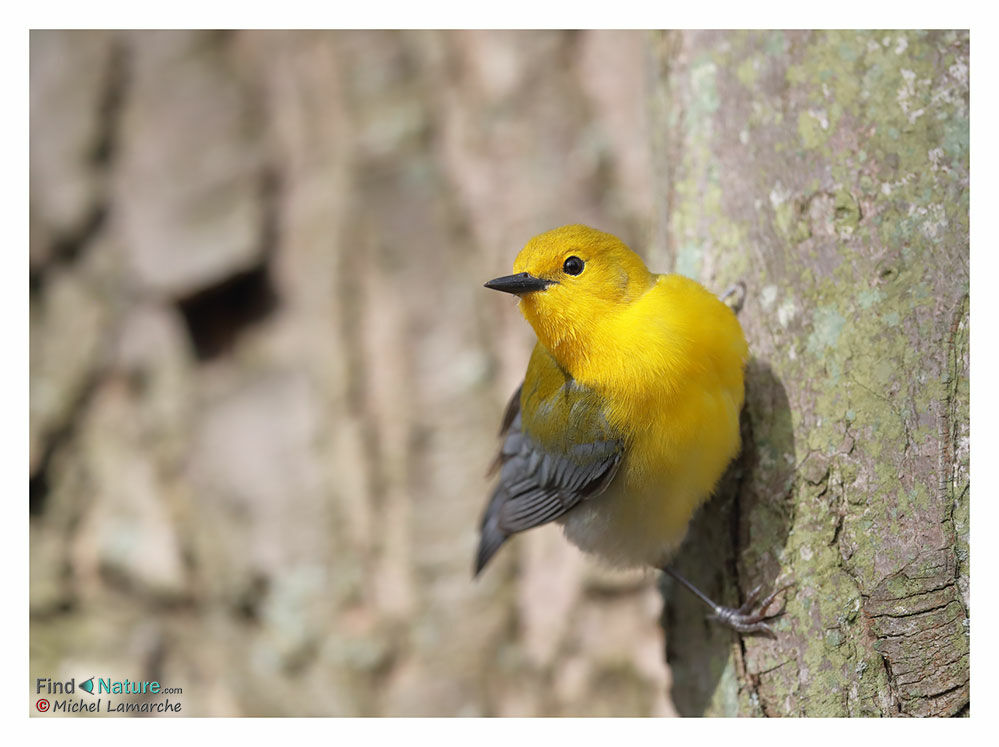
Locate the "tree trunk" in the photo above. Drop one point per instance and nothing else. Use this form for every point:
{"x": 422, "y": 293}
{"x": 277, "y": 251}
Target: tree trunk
{"x": 266, "y": 378}
{"x": 829, "y": 172}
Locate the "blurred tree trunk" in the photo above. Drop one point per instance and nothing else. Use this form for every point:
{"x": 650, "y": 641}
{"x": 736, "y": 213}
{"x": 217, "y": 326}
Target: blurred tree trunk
{"x": 829, "y": 172}
{"x": 266, "y": 378}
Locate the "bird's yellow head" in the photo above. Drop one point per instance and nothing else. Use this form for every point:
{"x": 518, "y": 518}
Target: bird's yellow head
{"x": 570, "y": 281}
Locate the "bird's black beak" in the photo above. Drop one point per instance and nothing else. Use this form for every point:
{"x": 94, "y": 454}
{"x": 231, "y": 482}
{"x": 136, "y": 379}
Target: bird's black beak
{"x": 522, "y": 282}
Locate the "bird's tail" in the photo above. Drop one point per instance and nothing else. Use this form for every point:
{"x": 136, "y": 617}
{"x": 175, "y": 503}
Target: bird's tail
{"x": 491, "y": 537}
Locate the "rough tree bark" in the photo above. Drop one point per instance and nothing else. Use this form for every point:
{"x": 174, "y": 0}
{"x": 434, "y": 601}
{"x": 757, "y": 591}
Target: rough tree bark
{"x": 829, "y": 171}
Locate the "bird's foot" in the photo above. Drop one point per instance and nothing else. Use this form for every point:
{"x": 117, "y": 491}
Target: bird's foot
{"x": 735, "y": 296}
{"x": 751, "y": 617}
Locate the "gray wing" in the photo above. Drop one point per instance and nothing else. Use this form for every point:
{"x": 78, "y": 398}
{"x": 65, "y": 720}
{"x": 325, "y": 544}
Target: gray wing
{"x": 538, "y": 486}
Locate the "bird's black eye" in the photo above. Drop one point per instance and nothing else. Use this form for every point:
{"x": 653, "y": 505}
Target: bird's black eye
{"x": 573, "y": 266}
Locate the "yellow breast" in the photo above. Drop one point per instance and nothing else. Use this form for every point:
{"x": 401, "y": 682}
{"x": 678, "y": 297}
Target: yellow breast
{"x": 670, "y": 371}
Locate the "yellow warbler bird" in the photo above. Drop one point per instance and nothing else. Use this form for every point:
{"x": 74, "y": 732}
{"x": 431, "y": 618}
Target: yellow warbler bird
{"x": 629, "y": 411}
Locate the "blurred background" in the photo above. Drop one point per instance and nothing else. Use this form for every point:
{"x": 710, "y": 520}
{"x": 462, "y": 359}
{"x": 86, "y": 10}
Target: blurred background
{"x": 266, "y": 380}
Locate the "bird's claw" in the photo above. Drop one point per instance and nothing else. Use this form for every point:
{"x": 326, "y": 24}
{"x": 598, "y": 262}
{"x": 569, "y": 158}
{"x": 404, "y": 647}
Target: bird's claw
{"x": 752, "y": 617}
{"x": 735, "y": 296}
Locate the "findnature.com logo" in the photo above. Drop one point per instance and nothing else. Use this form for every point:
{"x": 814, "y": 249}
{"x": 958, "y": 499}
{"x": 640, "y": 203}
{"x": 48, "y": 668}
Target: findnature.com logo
{"x": 97, "y": 686}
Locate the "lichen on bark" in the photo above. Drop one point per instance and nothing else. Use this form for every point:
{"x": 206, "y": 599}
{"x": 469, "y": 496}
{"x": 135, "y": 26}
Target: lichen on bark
{"x": 829, "y": 172}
